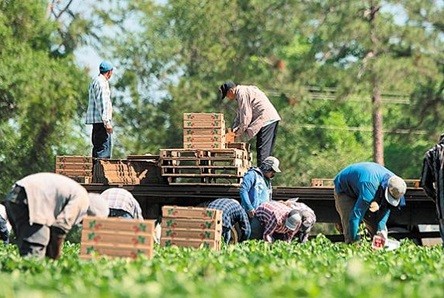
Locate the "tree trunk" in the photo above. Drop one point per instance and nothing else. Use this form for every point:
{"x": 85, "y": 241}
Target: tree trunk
{"x": 378, "y": 137}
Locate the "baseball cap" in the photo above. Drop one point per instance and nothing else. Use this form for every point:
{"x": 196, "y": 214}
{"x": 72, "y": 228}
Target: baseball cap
{"x": 223, "y": 89}
{"x": 105, "y": 66}
{"x": 293, "y": 220}
{"x": 273, "y": 163}
{"x": 395, "y": 190}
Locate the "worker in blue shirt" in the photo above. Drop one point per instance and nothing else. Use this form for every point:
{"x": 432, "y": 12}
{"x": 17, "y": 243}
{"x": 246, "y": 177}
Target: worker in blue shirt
{"x": 256, "y": 189}
{"x": 367, "y": 191}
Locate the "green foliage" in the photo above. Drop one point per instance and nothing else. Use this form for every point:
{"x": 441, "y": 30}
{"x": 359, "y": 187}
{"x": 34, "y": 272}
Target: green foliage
{"x": 318, "y": 268}
{"x": 40, "y": 95}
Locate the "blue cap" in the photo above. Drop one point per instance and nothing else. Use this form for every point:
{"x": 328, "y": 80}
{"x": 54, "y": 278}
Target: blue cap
{"x": 105, "y": 66}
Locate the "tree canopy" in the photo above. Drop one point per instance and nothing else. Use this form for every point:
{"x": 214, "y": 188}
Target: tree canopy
{"x": 352, "y": 80}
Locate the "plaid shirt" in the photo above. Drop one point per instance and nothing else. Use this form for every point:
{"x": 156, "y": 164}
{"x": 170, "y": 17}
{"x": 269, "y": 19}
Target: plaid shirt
{"x": 119, "y": 198}
{"x": 273, "y": 216}
{"x": 232, "y": 213}
{"x": 99, "y": 104}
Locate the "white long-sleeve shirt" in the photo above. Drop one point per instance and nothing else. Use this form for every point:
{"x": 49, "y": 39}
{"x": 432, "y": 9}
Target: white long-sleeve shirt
{"x": 54, "y": 200}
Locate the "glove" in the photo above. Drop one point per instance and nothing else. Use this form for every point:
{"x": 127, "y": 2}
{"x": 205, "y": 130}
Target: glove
{"x": 54, "y": 248}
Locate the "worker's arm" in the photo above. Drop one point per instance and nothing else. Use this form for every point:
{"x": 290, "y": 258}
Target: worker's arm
{"x": 247, "y": 183}
{"x": 367, "y": 193}
{"x": 245, "y": 113}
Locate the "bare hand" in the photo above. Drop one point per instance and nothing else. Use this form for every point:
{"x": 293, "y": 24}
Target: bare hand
{"x": 109, "y": 128}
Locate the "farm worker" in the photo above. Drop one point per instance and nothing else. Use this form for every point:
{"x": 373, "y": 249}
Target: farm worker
{"x": 121, "y": 203}
{"x": 367, "y": 191}
{"x": 308, "y": 218}
{"x": 432, "y": 179}
{"x": 256, "y": 189}
{"x": 278, "y": 218}
{"x": 99, "y": 112}
{"x": 256, "y": 116}
{"x": 42, "y": 208}
{"x": 5, "y": 227}
{"x": 232, "y": 213}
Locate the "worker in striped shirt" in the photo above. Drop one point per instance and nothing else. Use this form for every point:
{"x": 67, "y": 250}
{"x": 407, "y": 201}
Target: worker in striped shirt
{"x": 232, "y": 213}
{"x": 277, "y": 218}
{"x": 122, "y": 203}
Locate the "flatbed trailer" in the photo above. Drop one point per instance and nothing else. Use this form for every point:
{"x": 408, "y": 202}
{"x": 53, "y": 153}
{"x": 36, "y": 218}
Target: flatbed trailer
{"x": 419, "y": 210}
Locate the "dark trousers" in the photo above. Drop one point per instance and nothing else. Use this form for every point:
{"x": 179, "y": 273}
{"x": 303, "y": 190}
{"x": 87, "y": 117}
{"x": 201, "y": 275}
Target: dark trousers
{"x": 32, "y": 240}
{"x": 119, "y": 213}
{"x": 257, "y": 229}
{"x": 265, "y": 140}
{"x": 101, "y": 141}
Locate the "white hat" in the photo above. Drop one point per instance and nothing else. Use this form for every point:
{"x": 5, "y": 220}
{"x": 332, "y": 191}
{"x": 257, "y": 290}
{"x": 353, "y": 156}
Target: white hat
{"x": 395, "y": 190}
{"x": 293, "y": 220}
{"x": 273, "y": 163}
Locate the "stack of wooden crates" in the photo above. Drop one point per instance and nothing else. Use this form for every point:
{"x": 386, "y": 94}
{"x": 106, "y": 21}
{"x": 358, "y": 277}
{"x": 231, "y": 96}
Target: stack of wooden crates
{"x": 206, "y": 156}
{"x": 203, "y": 131}
{"x": 191, "y": 227}
{"x": 117, "y": 237}
{"x": 76, "y": 167}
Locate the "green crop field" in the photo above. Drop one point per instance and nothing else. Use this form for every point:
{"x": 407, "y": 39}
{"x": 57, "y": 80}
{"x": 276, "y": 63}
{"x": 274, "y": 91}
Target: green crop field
{"x": 318, "y": 268}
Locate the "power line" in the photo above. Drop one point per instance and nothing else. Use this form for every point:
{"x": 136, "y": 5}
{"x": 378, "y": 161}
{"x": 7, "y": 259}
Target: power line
{"x": 363, "y": 129}
{"x": 331, "y": 94}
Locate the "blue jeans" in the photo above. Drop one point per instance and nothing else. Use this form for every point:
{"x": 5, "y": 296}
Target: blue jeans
{"x": 101, "y": 140}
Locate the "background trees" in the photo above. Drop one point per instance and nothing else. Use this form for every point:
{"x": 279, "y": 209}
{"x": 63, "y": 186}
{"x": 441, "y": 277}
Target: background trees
{"x": 353, "y": 80}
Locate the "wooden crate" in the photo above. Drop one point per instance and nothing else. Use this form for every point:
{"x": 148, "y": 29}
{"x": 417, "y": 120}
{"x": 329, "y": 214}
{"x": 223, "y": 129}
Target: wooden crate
{"x": 191, "y": 212}
{"x": 204, "y": 124}
{"x": 114, "y": 171}
{"x": 195, "y": 243}
{"x": 203, "y": 139}
{"x": 203, "y": 116}
{"x": 186, "y": 233}
{"x": 203, "y": 132}
{"x": 191, "y": 227}
{"x": 117, "y": 237}
{"x": 204, "y": 145}
{"x": 195, "y": 224}
{"x": 76, "y": 167}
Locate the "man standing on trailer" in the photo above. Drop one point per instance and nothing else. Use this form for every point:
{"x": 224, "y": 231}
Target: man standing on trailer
{"x": 99, "y": 112}
{"x": 256, "y": 116}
